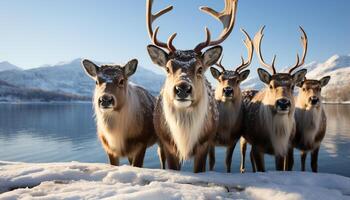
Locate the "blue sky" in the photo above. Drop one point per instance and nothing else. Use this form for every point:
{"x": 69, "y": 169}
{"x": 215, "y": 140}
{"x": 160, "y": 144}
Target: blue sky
{"x": 36, "y": 32}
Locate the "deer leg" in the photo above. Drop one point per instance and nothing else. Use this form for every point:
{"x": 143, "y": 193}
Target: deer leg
{"x": 314, "y": 159}
{"x": 211, "y": 157}
{"x": 259, "y": 159}
{"x": 130, "y": 160}
{"x": 113, "y": 160}
{"x": 243, "y": 144}
{"x": 139, "y": 156}
{"x": 172, "y": 160}
{"x": 200, "y": 159}
{"x": 161, "y": 155}
{"x": 279, "y": 163}
{"x": 289, "y": 160}
{"x": 228, "y": 160}
{"x": 252, "y": 160}
{"x": 303, "y": 155}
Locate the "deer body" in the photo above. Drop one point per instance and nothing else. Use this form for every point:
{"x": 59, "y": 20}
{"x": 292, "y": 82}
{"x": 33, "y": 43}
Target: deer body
{"x": 228, "y": 97}
{"x": 123, "y": 112}
{"x": 269, "y": 124}
{"x": 311, "y": 121}
{"x": 186, "y": 133}
{"x": 126, "y": 132}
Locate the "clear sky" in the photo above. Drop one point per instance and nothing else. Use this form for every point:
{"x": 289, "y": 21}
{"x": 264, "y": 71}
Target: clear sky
{"x": 37, "y": 32}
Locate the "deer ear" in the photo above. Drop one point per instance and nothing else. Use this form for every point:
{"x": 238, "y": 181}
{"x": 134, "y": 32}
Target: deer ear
{"x": 299, "y": 76}
{"x": 244, "y": 75}
{"x": 324, "y": 81}
{"x": 264, "y": 76}
{"x": 130, "y": 67}
{"x": 211, "y": 56}
{"x": 216, "y": 73}
{"x": 90, "y": 68}
{"x": 158, "y": 55}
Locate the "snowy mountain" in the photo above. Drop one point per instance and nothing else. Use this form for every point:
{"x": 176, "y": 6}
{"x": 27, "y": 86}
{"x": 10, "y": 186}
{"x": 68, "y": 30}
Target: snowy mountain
{"x": 70, "y": 78}
{"x": 338, "y": 67}
{"x": 4, "y": 66}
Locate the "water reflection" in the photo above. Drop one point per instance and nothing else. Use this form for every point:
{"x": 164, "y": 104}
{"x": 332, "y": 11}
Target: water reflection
{"x": 67, "y": 132}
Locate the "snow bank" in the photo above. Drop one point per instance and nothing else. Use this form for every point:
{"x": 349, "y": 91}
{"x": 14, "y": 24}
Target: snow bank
{"x": 100, "y": 181}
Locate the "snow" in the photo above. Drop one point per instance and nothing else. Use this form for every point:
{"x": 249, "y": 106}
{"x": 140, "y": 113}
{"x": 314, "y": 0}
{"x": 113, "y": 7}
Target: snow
{"x": 101, "y": 181}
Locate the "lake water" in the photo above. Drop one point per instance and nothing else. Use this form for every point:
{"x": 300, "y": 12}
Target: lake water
{"x": 60, "y": 132}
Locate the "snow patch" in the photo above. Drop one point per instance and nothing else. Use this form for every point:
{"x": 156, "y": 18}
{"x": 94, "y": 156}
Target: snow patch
{"x": 96, "y": 181}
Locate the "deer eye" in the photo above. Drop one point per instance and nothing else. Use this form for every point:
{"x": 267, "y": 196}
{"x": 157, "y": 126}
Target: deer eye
{"x": 96, "y": 82}
{"x": 271, "y": 87}
{"x": 200, "y": 70}
{"x": 304, "y": 89}
{"x": 121, "y": 82}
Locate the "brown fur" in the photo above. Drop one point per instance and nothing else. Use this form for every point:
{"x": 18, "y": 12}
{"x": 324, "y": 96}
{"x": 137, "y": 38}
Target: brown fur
{"x": 230, "y": 113}
{"x": 265, "y": 129}
{"x": 311, "y": 123}
{"x": 200, "y": 148}
{"x": 123, "y": 112}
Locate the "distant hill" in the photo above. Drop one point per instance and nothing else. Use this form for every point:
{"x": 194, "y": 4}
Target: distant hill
{"x": 338, "y": 67}
{"x": 69, "y": 78}
{"x": 5, "y": 66}
{"x": 11, "y": 93}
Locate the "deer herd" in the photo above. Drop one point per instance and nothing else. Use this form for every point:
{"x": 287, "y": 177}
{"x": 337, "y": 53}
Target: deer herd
{"x": 189, "y": 118}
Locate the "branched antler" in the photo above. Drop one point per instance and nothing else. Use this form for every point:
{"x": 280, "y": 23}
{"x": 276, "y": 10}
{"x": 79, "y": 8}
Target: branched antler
{"x": 150, "y": 18}
{"x": 257, "y": 46}
{"x": 304, "y": 44}
{"x": 249, "y": 45}
{"x": 227, "y": 18}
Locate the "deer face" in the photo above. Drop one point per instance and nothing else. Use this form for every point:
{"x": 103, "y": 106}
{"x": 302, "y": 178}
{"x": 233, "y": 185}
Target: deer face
{"x": 279, "y": 91}
{"x": 228, "y": 88}
{"x": 310, "y": 91}
{"x": 185, "y": 82}
{"x": 111, "y": 83}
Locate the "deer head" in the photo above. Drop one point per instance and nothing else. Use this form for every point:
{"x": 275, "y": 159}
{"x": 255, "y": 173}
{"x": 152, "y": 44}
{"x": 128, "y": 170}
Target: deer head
{"x": 229, "y": 80}
{"x": 280, "y": 86}
{"x": 185, "y": 82}
{"x": 310, "y": 92}
{"x": 111, "y": 83}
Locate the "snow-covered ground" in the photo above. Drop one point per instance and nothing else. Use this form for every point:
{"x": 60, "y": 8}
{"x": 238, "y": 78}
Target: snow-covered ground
{"x": 100, "y": 181}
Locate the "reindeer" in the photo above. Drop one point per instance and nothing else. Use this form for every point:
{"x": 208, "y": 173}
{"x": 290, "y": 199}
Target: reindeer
{"x": 310, "y": 120}
{"x": 269, "y": 124}
{"x": 229, "y": 101}
{"x": 123, "y": 112}
{"x": 186, "y": 115}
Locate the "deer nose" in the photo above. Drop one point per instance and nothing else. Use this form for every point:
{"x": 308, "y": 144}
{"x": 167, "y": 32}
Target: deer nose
{"x": 183, "y": 90}
{"x": 283, "y": 103}
{"x": 106, "y": 101}
{"x": 314, "y": 100}
{"x": 228, "y": 91}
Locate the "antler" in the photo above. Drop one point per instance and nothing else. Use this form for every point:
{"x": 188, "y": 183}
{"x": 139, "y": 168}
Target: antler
{"x": 304, "y": 43}
{"x": 219, "y": 64}
{"x": 150, "y": 18}
{"x": 227, "y": 18}
{"x": 257, "y": 44}
{"x": 249, "y": 44}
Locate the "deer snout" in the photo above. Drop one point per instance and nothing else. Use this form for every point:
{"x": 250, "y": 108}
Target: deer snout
{"x": 314, "y": 100}
{"x": 228, "y": 91}
{"x": 283, "y": 104}
{"x": 183, "y": 90}
{"x": 106, "y": 101}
